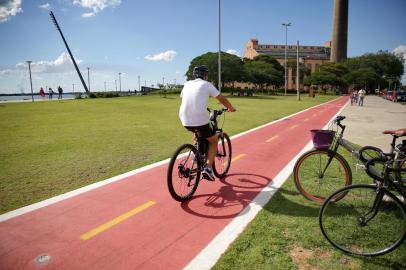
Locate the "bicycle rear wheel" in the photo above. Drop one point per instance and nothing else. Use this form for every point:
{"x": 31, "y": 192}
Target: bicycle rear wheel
{"x": 310, "y": 180}
{"x": 222, "y": 160}
{"x": 366, "y": 221}
{"x": 183, "y": 173}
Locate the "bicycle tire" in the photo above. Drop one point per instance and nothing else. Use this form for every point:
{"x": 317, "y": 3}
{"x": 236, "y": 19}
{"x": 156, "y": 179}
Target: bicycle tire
{"x": 183, "y": 180}
{"x": 367, "y": 153}
{"x": 350, "y": 227}
{"x": 222, "y": 161}
{"x": 309, "y": 181}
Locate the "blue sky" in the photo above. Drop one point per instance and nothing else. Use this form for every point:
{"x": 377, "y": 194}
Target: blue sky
{"x": 157, "y": 39}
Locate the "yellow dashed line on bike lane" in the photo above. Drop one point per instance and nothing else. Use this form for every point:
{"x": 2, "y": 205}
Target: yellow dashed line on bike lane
{"x": 294, "y": 126}
{"x": 240, "y": 156}
{"x": 272, "y": 138}
{"x": 307, "y": 119}
{"x": 117, "y": 220}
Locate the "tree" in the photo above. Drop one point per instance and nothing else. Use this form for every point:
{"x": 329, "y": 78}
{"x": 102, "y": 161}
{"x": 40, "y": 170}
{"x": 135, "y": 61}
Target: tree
{"x": 231, "y": 67}
{"x": 262, "y": 73}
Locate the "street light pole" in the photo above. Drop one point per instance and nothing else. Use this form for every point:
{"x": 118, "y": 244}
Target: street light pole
{"x": 73, "y": 88}
{"x": 286, "y": 45}
{"x": 29, "y": 70}
{"x": 219, "y": 54}
{"x": 119, "y": 78}
{"x": 115, "y": 82}
{"x": 88, "y": 78}
{"x": 139, "y": 83}
{"x": 297, "y": 71}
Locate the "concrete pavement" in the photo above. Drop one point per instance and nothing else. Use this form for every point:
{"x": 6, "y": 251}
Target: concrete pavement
{"x": 365, "y": 124}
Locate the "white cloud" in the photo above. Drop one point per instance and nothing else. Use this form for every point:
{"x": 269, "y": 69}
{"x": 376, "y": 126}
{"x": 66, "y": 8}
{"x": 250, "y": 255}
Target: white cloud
{"x": 46, "y": 6}
{"x": 167, "y": 56}
{"x": 232, "y": 51}
{"x": 95, "y": 5}
{"x": 88, "y": 15}
{"x": 9, "y": 8}
{"x": 62, "y": 63}
{"x": 400, "y": 49}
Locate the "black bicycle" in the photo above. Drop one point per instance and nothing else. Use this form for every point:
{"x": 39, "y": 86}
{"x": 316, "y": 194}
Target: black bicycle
{"x": 186, "y": 164}
{"x": 369, "y": 219}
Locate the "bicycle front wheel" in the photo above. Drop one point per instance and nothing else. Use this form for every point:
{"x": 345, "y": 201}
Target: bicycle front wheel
{"x": 183, "y": 173}
{"x": 316, "y": 178}
{"x": 222, "y": 161}
{"x": 367, "y": 221}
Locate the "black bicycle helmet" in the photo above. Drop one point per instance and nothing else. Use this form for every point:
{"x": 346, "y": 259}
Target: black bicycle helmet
{"x": 200, "y": 71}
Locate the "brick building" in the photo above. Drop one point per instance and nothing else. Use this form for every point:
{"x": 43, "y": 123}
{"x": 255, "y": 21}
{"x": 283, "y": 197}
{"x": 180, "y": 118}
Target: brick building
{"x": 311, "y": 56}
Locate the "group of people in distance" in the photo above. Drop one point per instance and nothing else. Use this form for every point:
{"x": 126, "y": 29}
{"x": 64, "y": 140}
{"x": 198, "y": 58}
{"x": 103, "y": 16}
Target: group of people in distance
{"x": 357, "y": 97}
{"x": 51, "y": 92}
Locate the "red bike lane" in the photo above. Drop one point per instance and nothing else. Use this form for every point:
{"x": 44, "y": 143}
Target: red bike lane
{"x": 135, "y": 224}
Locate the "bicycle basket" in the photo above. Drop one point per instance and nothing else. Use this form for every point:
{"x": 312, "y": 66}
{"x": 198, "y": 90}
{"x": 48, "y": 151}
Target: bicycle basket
{"x": 322, "y": 139}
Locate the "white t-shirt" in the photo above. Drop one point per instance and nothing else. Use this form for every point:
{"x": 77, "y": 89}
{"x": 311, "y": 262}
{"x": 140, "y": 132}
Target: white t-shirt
{"x": 195, "y": 97}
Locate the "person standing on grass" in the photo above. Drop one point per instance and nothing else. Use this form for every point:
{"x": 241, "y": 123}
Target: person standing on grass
{"x": 42, "y": 92}
{"x": 60, "y": 92}
{"x": 193, "y": 112}
{"x": 361, "y": 96}
{"x": 50, "y": 93}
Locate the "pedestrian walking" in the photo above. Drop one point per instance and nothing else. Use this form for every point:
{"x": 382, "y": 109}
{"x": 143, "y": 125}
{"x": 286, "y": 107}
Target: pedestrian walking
{"x": 354, "y": 97}
{"x": 361, "y": 96}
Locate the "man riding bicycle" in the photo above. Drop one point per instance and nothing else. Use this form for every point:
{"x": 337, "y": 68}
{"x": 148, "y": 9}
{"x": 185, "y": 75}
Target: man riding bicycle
{"x": 193, "y": 112}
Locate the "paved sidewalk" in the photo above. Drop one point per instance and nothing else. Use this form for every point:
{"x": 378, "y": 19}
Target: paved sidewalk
{"x": 365, "y": 124}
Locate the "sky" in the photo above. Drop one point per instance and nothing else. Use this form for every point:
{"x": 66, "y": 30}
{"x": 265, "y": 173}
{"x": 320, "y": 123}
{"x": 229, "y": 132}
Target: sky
{"x": 154, "y": 41}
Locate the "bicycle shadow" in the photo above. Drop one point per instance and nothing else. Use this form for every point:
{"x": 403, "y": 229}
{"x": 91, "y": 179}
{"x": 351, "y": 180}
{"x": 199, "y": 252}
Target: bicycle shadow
{"x": 230, "y": 200}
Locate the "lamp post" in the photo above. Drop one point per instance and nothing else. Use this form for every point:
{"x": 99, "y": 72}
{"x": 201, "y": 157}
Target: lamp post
{"x": 297, "y": 71}
{"x": 219, "y": 54}
{"x": 115, "y": 82}
{"x": 73, "y": 88}
{"x": 29, "y": 70}
{"x": 119, "y": 78}
{"x": 139, "y": 83}
{"x": 88, "y": 78}
{"x": 286, "y": 45}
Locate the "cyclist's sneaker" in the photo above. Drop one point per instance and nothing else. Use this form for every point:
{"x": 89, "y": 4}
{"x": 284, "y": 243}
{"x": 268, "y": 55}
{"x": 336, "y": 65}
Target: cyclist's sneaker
{"x": 208, "y": 174}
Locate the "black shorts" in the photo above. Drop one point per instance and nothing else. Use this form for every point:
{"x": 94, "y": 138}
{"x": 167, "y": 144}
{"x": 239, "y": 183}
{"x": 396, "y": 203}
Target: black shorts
{"x": 204, "y": 131}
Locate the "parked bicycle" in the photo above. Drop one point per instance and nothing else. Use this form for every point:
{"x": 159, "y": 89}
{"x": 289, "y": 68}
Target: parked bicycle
{"x": 322, "y": 170}
{"x": 369, "y": 219}
{"x": 187, "y": 162}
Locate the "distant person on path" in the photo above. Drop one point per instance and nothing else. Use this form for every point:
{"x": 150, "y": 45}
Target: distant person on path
{"x": 354, "y": 97}
{"x": 60, "y": 92}
{"x": 193, "y": 112}
{"x": 361, "y": 96}
{"x": 42, "y": 92}
{"x": 50, "y": 93}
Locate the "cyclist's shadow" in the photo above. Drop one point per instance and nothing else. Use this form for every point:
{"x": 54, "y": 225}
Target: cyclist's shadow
{"x": 233, "y": 197}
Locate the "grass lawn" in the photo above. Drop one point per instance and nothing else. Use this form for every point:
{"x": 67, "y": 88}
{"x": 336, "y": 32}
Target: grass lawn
{"x": 49, "y": 148}
{"x": 286, "y": 235}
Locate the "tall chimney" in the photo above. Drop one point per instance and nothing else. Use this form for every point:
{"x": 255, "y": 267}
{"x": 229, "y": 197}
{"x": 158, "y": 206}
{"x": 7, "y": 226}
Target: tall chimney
{"x": 340, "y": 31}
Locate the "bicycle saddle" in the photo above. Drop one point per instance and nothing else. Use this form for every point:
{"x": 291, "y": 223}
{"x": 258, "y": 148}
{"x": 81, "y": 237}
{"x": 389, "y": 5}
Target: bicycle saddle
{"x": 399, "y": 132}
